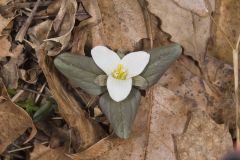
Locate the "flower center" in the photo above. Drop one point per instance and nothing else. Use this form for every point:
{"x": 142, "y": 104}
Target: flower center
{"x": 120, "y": 72}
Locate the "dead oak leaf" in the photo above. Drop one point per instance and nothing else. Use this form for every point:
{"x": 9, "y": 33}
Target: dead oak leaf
{"x": 198, "y": 6}
{"x": 42, "y": 152}
{"x": 203, "y": 139}
{"x": 185, "y": 27}
{"x": 119, "y": 24}
{"x": 14, "y": 121}
{"x": 185, "y": 79}
{"x": 152, "y": 133}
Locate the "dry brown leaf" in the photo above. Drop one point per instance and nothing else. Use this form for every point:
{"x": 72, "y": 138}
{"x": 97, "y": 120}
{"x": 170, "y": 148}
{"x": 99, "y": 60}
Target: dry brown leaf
{"x": 183, "y": 82}
{"x": 185, "y": 27}
{"x": 29, "y": 76}
{"x": 203, "y": 139}
{"x": 10, "y": 73}
{"x": 152, "y": 133}
{"x": 42, "y": 152}
{"x": 197, "y": 6}
{"x": 5, "y": 46}
{"x": 40, "y": 32}
{"x": 54, "y": 7}
{"x": 4, "y": 2}
{"x": 79, "y": 41}
{"x": 227, "y": 18}
{"x": 4, "y": 22}
{"x": 185, "y": 79}
{"x": 87, "y": 130}
{"x": 118, "y": 24}
{"x": 14, "y": 120}
{"x": 63, "y": 25}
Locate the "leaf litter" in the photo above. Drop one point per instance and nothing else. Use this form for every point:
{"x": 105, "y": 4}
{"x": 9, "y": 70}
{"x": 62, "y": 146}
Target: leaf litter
{"x": 188, "y": 113}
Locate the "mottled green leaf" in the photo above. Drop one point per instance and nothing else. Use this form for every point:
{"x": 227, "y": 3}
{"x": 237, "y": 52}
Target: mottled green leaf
{"x": 81, "y": 71}
{"x": 140, "y": 82}
{"x": 101, "y": 80}
{"x": 121, "y": 114}
{"x": 161, "y": 58}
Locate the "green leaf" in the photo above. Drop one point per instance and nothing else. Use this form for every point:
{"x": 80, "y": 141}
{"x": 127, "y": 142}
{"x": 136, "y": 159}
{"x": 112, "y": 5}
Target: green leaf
{"x": 29, "y": 106}
{"x": 140, "y": 82}
{"x": 121, "y": 114}
{"x": 160, "y": 60}
{"x": 81, "y": 71}
{"x": 43, "y": 111}
{"x": 101, "y": 80}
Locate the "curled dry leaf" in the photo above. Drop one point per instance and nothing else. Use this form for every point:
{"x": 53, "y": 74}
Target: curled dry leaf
{"x": 14, "y": 120}
{"x": 40, "y": 32}
{"x": 42, "y": 152}
{"x": 185, "y": 27}
{"x": 203, "y": 130}
{"x": 63, "y": 25}
{"x": 30, "y": 76}
{"x": 119, "y": 24}
{"x": 152, "y": 133}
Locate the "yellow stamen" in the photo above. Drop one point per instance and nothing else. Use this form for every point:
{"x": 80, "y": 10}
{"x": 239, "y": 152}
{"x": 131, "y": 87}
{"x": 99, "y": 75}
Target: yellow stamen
{"x": 120, "y": 72}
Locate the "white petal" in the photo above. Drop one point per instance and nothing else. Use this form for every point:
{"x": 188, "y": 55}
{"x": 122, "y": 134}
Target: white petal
{"x": 105, "y": 59}
{"x": 135, "y": 62}
{"x": 118, "y": 89}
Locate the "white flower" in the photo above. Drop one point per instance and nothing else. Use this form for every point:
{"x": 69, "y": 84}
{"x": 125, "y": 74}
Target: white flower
{"x": 119, "y": 71}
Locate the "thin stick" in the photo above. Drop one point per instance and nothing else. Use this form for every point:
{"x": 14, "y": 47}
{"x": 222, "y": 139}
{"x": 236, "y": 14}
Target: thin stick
{"x": 235, "y": 65}
{"x": 33, "y": 91}
{"x": 40, "y": 92}
{"x": 24, "y": 148}
{"x": 22, "y": 32}
{"x": 16, "y": 96}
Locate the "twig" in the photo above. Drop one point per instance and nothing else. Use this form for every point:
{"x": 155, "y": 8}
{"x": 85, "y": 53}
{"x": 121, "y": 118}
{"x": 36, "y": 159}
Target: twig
{"x": 57, "y": 118}
{"x": 24, "y": 148}
{"x": 235, "y": 65}
{"x": 33, "y": 91}
{"x": 20, "y": 35}
{"x": 40, "y": 92}
{"x": 16, "y": 96}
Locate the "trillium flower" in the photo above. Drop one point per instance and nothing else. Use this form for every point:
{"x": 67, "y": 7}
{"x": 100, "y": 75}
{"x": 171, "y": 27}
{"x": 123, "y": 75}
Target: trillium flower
{"x": 119, "y": 71}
